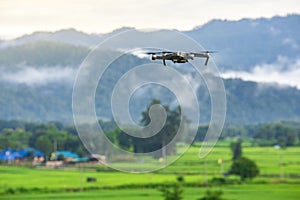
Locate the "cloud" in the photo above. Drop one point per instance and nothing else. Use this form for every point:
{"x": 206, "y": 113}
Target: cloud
{"x": 40, "y": 76}
{"x": 284, "y": 71}
{"x": 290, "y": 42}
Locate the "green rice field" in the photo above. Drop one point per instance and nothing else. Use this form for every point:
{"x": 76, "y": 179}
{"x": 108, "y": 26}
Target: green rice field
{"x": 279, "y": 178}
{"x": 240, "y": 192}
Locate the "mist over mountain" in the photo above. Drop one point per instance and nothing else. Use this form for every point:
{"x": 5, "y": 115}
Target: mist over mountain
{"x": 241, "y": 44}
{"x": 249, "y": 42}
{"x": 247, "y": 102}
{"x": 38, "y": 72}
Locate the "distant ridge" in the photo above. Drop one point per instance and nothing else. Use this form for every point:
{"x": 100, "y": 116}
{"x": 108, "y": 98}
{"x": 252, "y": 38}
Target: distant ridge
{"x": 37, "y": 70}
{"x": 241, "y": 44}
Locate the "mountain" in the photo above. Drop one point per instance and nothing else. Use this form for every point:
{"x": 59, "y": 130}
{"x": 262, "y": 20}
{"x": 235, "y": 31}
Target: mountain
{"x": 247, "y": 102}
{"x": 251, "y": 102}
{"x": 246, "y": 43}
{"x": 65, "y": 36}
{"x": 41, "y": 54}
{"x": 38, "y": 72}
{"x": 37, "y": 78}
{"x": 241, "y": 44}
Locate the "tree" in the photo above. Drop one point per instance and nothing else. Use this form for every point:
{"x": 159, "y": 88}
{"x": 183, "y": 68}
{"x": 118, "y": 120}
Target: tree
{"x": 16, "y": 139}
{"x": 164, "y": 136}
{"x": 236, "y": 149}
{"x": 245, "y": 168}
{"x": 172, "y": 194}
{"x": 123, "y": 140}
{"x": 277, "y": 133}
{"x": 212, "y": 195}
{"x": 291, "y": 138}
{"x": 44, "y": 144}
{"x": 201, "y": 133}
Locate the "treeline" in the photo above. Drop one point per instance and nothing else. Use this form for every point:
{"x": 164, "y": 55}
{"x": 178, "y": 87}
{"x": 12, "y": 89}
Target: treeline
{"x": 43, "y": 54}
{"x": 266, "y": 134}
{"x": 44, "y": 137}
{"x": 48, "y": 137}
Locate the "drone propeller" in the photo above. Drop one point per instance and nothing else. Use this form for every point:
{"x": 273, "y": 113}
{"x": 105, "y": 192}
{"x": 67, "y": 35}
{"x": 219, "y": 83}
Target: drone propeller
{"x": 203, "y": 53}
{"x": 208, "y": 51}
{"x": 158, "y": 52}
{"x": 151, "y": 53}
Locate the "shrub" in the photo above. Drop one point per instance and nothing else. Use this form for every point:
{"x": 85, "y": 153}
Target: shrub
{"x": 217, "y": 181}
{"x": 180, "y": 178}
{"x": 212, "y": 195}
{"x": 245, "y": 168}
{"x": 10, "y": 191}
{"x": 172, "y": 194}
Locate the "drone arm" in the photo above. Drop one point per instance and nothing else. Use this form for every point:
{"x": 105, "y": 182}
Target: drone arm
{"x": 206, "y": 62}
{"x": 164, "y": 62}
{"x": 203, "y": 55}
{"x": 200, "y": 55}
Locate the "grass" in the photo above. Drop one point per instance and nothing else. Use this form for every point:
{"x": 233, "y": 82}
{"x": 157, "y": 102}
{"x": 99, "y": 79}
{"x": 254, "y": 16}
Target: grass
{"x": 20, "y": 177}
{"x": 269, "y": 160}
{"x": 30, "y": 183}
{"x": 239, "y": 192}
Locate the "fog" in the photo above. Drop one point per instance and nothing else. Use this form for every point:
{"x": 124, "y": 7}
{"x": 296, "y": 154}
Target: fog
{"x": 283, "y": 71}
{"x": 40, "y": 76}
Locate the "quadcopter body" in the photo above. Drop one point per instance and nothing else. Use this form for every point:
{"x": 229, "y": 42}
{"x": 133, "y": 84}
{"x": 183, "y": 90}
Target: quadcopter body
{"x": 179, "y": 57}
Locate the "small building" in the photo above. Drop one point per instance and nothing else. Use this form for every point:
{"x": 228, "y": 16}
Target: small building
{"x": 9, "y": 154}
{"x": 23, "y": 154}
{"x": 67, "y": 156}
{"x": 277, "y": 146}
{"x": 31, "y": 152}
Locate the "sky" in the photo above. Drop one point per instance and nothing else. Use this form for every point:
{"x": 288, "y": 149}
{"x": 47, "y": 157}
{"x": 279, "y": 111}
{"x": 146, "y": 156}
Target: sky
{"x": 19, "y": 17}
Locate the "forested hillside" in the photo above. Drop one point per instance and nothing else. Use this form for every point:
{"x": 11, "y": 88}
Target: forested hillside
{"x": 38, "y": 72}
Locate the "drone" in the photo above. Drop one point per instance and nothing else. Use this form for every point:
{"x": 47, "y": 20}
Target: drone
{"x": 179, "y": 57}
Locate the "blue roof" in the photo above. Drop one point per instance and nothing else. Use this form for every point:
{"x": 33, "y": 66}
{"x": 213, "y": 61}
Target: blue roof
{"x": 27, "y": 151}
{"x": 10, "y": 154}
{"x": 66, "y": 154}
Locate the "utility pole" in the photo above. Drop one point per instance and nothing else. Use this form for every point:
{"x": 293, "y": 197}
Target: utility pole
{"x": 54, "y": 150}
{"x": 281, "y": 167}
{"x": 81, "y": 176}
{"x": 205, "y": 174}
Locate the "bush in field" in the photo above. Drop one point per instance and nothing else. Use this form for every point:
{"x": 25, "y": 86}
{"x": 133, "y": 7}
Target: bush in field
{"x": 174, "y": 193}
{"x": 245, "y": 168}
{"x": 212, "y": 195}
{"x": 180, "y": 179}
{"x": 10, "y": 191}
{"x": 217, "y": 181}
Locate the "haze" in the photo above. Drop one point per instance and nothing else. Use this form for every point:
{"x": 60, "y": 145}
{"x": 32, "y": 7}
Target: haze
{"x": 94, "y": 16}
